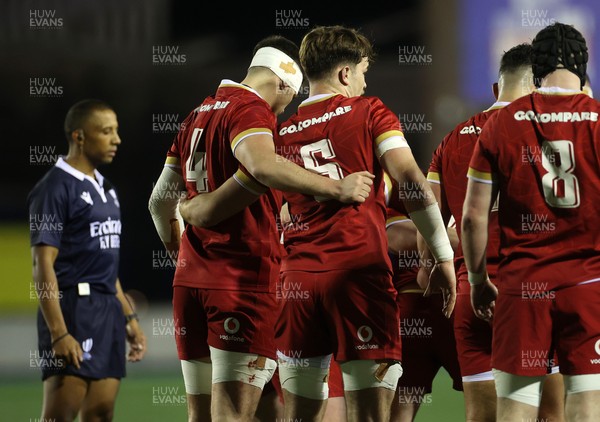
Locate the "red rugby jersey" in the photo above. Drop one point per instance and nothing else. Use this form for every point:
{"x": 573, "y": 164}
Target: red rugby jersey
{"x": 242, "y": 252}
{"x": 449, "y": 166}
{"x": 542, "y": 151}
{"x": 334, "y": 135}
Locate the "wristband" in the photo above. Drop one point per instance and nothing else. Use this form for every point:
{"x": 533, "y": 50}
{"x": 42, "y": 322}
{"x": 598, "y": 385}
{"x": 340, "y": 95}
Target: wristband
{"x": 477, "y": 278}
{"x": 129, "y": 317}
{"x": 59, "y": 339}
{"x": 431, "y": 225}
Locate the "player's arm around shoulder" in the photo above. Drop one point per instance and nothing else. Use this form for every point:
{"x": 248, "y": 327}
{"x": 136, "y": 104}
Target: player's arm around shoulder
{"x": 257, "y": 154}
{"x": 232, "y": 197}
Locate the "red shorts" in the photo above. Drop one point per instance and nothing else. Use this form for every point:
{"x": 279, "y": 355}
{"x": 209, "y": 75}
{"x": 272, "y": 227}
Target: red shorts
{"x": 473, "y": 337}
{"x": 236, "y": 321}
{"x": 427, "y": 343}
{"x": 335, "y": 380}
{"x": 351, "y": 314}
{"x": 529, "y": 328}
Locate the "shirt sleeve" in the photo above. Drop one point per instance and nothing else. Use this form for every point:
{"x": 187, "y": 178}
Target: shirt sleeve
{"x": 434, "y": 173}
{"x": 252, "y": 119}
{"x": 386, "y": 129}
{"x": 482, "y": 164}
{"x": 47, "y": 215}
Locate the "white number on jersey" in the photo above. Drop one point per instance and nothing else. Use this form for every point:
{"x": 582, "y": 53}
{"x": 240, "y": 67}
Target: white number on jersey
{"x": 331, "y": 169}
{"x": 561, "y": 187}
{"x": 195, "y": 165}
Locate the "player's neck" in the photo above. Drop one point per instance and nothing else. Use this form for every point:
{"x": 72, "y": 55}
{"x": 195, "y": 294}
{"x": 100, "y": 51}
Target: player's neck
{"x": 562, "y": 78}
{"x": 326, "y": 87}
{"x": 508, "y": 95}
{"x": 79, "y": 162}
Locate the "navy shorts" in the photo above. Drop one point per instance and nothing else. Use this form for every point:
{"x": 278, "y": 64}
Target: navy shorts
{"x": 97, "y": 322}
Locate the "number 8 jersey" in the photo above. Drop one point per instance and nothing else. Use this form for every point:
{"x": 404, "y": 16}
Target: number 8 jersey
{"x": 335, "y": 136}
{"x": 542, "y": 151}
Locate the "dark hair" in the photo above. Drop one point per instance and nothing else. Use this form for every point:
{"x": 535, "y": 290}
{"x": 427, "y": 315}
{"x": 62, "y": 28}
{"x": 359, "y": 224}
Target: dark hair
{"x": 79, "y": 112}
{"x": 282, "y": 44}
{"x": 325, "y": 47}
{"x": 516, "y": 58}
{"x": 559, "y": 46}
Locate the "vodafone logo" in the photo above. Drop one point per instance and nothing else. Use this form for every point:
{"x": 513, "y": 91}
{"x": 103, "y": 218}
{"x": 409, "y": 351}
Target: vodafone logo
{"x": 231, "y": 325}
{"x": 365, "y": 333}
{"x": 597, "y": 347}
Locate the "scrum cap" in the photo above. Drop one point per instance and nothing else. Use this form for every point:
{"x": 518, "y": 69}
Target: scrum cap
{"x": 559, "y": 46}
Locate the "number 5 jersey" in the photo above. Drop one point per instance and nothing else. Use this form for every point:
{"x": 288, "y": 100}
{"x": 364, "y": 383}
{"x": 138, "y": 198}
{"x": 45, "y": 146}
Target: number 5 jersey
{"x": 335, "y": 136}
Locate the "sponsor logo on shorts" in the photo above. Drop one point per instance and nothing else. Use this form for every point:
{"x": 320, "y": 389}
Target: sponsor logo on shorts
{"x": 365, "y": 334}
{"x": 87, "y": 345}
{"x": 596, "y": 361}
{"x": 231, "y": 326}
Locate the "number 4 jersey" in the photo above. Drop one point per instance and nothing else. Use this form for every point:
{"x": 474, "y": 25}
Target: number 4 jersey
{"x": 242, "y": 252}
{"x": 542, "y": 152}
{"x": 335, "y": 136}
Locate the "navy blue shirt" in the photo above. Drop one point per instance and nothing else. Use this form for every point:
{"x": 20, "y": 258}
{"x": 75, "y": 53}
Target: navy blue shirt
{"x": 80, "y": 216}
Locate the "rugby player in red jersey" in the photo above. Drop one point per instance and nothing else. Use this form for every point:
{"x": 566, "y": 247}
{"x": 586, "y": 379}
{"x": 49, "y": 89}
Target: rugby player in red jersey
{"x": 539, "y": 156}
{"x": 447, "y": 174}
{"x": 224, "y": 285}
{"x": 338, "y": 260}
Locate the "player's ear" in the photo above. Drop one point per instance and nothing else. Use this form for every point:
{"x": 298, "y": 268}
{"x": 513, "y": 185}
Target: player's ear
{"x": 282, "y": 87}
{"x": 77, "y": 136}
{"x": 344, "y": 75}
{"x": 495, "y": 89}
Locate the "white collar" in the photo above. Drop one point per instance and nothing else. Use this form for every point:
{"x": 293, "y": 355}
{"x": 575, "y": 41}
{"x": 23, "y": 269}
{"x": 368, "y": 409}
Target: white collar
{"x": 557, "y": 89}
{"x": 318, "y": 97}
{"x": 98, "y": 181}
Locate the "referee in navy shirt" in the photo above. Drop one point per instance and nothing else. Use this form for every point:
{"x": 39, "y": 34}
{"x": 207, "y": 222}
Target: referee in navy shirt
{"x": 84, "y": 318}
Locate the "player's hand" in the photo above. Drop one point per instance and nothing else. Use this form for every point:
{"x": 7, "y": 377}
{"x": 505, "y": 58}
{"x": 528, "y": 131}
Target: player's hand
{"x": 355, "y": 187}
{"x": 137, "y": 341}
{"x": 483, "y": 298}
{"x": 69, "y": 350}
{"x": 443, "y": 279}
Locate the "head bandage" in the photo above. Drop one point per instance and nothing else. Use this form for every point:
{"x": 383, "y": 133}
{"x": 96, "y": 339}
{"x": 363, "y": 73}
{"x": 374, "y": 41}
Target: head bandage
{"x": 280, "y": 64}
